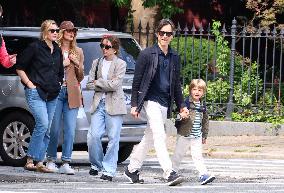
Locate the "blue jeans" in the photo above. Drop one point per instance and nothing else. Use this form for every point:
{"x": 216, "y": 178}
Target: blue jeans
{"x": 69, "y": 117}
{"x": 101, "y": 123}
{"x": 43, "y": 112}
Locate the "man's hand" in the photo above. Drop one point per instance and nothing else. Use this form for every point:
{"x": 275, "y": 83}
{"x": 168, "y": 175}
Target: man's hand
{"x": 184, "y": 113}
{"x": 134, "y": 113}
{"x": 13, "y": 58}
{"x": 203, "y": 141}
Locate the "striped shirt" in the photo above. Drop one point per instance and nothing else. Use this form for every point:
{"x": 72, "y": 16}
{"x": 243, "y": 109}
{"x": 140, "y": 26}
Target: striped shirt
{"x": 196, "y": 127}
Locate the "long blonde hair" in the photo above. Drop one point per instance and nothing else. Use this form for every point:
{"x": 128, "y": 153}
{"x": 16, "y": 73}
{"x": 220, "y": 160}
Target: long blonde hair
{"x": 73, "y": 44}
{"x": 44, "y": 28}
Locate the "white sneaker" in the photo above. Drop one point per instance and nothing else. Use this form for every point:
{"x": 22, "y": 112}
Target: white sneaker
{"x": 66, "y": 169}
{"x": 52, "y": 166}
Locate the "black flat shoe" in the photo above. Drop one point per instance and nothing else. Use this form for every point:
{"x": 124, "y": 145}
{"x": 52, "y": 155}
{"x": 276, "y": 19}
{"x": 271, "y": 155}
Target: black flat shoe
{"x": 93, "y": 172}
{"x": 106, "y": 177}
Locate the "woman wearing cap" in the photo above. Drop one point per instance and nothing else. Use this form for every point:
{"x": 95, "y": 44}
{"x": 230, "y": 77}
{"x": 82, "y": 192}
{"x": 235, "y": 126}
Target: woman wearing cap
{"x": 40, "y": 68}
{"x": 108, "y": 107}
{"x": 5, "y": 59}
{"x": 69, "y": 100}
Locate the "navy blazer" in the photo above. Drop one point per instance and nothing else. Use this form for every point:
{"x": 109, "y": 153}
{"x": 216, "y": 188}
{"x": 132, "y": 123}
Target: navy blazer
{"x": 145, "y": 69}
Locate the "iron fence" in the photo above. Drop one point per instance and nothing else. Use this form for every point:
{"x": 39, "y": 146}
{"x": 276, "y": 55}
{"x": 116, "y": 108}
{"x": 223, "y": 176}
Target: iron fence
{"x": 241, "y": 66}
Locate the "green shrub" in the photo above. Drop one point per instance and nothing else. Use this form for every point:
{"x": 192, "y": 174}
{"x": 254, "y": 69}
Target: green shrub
{"x": 248, "y": 86}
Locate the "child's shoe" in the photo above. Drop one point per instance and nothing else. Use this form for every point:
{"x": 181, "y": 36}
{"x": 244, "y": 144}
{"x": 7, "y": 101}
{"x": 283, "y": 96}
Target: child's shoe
{"x": 205, "y": 179}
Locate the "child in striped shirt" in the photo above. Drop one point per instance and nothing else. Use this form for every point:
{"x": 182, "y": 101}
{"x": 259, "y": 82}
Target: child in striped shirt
{"x": 193, "y": 131}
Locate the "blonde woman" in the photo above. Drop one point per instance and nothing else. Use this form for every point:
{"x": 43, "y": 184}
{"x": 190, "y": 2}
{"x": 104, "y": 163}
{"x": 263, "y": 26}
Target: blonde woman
{"x": 69, "y": 100}
{"x": 40, "y": 68}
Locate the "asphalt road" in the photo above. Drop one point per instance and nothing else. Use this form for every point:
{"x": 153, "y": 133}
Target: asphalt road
{"x": 233, "y": 175}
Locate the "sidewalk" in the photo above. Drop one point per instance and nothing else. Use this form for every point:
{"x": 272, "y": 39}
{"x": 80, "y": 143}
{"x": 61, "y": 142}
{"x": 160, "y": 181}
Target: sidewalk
{"x": 252, "y": 147}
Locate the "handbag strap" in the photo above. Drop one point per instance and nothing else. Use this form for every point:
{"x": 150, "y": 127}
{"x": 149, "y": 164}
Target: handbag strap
{"x": 97, "y": 68}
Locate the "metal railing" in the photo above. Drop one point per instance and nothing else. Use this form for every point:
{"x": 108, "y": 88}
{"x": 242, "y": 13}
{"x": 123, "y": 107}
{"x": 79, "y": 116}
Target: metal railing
{"x": 242, "y": 68}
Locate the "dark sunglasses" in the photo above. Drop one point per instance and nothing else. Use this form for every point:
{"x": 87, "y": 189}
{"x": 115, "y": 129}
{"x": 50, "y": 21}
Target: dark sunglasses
{"x": 103, "y": 46}
{"x": 162, "y": 33}
{"x": 54, "y": 30}
{"x": 74, "y": 30}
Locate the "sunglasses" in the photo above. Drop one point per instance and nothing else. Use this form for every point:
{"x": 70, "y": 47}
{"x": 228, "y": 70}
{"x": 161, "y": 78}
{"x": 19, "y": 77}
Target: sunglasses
{"x": 103, "y": 46}
{"x": 54, "y": 30}
{"x": 162, "y": 33}
{"x": 74, "y": 30}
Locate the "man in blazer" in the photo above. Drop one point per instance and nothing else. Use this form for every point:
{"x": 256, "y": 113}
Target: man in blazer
{"x": 156, "y": 85}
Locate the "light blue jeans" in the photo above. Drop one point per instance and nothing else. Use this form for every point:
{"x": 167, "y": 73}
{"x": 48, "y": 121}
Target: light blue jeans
{"x": 101, "y": 123}
{"x": 69, "y": 117}
{"x": 43, "y": 112}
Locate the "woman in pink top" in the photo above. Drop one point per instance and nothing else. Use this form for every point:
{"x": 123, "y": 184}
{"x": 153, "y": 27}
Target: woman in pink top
{"x": 6, "y": 60}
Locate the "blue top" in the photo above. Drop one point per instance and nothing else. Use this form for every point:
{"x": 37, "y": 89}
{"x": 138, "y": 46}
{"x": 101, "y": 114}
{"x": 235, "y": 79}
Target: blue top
{"x": 159, "y": 90}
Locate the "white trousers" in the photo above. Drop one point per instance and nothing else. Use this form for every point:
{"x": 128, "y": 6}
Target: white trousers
{"x": 154, "y": 135}
{"x": 182, "y": 145}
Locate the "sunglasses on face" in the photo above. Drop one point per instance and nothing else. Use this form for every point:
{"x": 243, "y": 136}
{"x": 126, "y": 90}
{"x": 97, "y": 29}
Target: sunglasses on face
{"x": 162, "y": 33}
{"x": 74, "y": 30}
{"x": 103, "y": 46}
{"x": 54, "y": 30}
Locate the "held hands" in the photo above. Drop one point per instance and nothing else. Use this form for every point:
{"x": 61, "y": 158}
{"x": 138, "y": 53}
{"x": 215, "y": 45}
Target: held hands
{"x": 184, "y": 113}
{"x": 203, "y": 141}
{"x": 13, "y": 59}
{"x": 134, "y": 113}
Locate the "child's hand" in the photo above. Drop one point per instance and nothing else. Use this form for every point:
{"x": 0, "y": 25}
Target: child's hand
{"x": 203, "y": 141}
{"x": 184, "y": 115}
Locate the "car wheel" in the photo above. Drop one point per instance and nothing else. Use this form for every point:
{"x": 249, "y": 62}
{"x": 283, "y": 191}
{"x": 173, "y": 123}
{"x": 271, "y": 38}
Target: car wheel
{"x": 15, "y": 133}
{"x": 124, "y": 152}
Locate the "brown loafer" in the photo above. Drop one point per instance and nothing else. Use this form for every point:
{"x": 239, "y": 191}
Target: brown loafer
{"x": 30, "y": 167}
{"x": 43, "y": 169}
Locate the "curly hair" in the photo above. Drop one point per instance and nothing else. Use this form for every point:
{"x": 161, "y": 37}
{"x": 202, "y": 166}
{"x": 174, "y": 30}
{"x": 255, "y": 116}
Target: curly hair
{"x": 114, "y": 42}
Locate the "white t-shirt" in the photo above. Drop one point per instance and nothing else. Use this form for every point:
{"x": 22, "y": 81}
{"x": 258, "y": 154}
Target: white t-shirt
{"x": 105, "y": 68}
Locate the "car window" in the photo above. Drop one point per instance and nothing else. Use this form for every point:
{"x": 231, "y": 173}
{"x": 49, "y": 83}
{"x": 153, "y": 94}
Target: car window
{"x": 129, "y": 51}
{"x": 14, "y": 45}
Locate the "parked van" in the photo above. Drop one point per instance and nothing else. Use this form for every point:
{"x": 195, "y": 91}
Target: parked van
{"x": 16, "y": 120}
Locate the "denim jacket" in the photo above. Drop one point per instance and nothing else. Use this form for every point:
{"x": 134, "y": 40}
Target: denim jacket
{"x": 185, "y": 125}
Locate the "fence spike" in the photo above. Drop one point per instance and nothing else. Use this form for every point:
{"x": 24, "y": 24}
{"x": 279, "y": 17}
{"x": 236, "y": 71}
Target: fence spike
{"x": 201, "y": 30}
{"x": 209, "y": 29}
{"x": 282, "y": 32}
{"x": 274, "y": 32}
{"x": 178, "y": 29}
{"x": 193, "y": 29}
{"x": 140, "y": 26}
{"x": 186, "y": 29}
{"x": 266, "y": 31}
{"x": 139, "y": 31}
{"x": 244, "y": 31}
{"x": 147, "y": 28}
{"x": 259, "y": 31}
{"x": 224, "y": 31}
